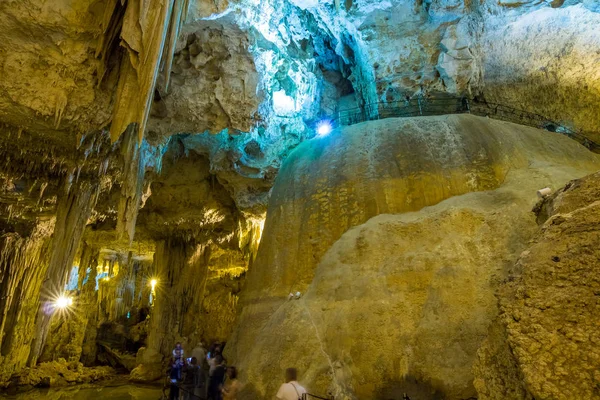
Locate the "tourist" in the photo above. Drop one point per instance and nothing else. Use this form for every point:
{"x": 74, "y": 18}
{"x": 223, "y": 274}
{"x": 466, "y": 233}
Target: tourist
{"x": 212, "y": 359}
{"x": 232, "y": 386}
{"x": 215, "y": 382}
{"x": 199, "y": 352}
{"x": 174, "y": 379}
{"x": 291, "y": 389}
{"x": 178, "y": 352}
{"x": 211, "y": 351}
{"x": 191, "y": 379}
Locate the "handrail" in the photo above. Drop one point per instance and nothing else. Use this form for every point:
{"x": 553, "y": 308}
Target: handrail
{"x": 305, "y": 396}
{"x": 422, "y": 106}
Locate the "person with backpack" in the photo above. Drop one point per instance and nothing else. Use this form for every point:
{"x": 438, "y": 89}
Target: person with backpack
{"x": 291, "y": 389}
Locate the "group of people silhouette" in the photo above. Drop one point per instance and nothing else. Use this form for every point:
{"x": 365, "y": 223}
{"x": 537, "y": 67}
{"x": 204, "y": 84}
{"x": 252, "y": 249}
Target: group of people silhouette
{"x": 205, "y": 375}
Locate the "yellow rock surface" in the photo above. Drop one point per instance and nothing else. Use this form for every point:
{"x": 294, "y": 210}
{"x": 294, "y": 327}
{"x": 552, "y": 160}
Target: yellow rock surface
{"x": 402, "y": 302}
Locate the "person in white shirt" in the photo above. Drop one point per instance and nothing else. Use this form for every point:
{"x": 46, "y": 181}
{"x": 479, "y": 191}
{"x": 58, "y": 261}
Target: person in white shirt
{"x": 199, "y": 352}
{"x": 178, "y": 353}
{"x": 291, "y": 389}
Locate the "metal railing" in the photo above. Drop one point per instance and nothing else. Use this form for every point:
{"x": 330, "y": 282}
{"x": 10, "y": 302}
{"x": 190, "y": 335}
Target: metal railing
{"x": 426, "y": 106}
{"x": 308, "y": 396}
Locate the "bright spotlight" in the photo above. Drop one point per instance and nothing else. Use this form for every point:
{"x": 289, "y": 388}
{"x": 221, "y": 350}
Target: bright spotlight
{"x": 63, "y": 302}
{"x": 324, "y": 128}
{"x": 153, "y": 283}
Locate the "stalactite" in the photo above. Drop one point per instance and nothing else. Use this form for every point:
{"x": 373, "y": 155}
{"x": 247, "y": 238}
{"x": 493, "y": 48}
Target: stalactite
{"x": 112, "y": 22}
{"x": 178, "y": 16}
{"x": 73, "y": 211}
{"x": 145, "y": 28}
{"x": 132, "y": 184}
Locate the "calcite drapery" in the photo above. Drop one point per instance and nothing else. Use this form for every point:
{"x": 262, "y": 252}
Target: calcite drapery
{"x": 149, "y": 33}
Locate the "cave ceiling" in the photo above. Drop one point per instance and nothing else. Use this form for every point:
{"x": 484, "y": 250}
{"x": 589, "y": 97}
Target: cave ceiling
{"x": 187, "y": 109}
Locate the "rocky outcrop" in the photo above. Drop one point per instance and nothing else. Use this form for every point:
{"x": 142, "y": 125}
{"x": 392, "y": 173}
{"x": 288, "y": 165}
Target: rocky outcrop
{"x": 546, "y": 332}
{"x": 214, "y": 82}
{"x": 400, "y": 302}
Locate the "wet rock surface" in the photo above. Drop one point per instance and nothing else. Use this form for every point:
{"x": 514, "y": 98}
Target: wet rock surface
{"x": 117, "y": 390}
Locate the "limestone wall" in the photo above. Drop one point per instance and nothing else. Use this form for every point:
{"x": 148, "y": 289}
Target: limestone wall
{"x": 545, "y": 61}
{"x": 547, "y": 330}
{"x": 399, "y": 303}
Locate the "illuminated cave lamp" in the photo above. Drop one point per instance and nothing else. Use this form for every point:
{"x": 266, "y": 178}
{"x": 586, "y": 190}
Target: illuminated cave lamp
{"x": 324, "y": 128}
{"x": 63, "y": 302}
{"x": 153, "y": 283}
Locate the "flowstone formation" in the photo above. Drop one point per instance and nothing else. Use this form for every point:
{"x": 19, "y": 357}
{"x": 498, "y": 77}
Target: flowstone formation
{"x": 399, "y": 303}
{"x": 544, "y": 343}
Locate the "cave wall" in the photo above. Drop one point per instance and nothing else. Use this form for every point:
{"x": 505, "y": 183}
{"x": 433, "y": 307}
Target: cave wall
{"x": 386, "y": 291}
{"x": 547, "y": 50}
{"x": 545, "y": 333}
{"x": 222, "y": 92}
{"x": 35, "y": 273}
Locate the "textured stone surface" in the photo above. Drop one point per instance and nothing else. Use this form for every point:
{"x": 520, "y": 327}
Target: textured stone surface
{"x": 48, "y": 78}
{"x": 547, "y": 330}
{"x": 549, "y": 51}
{"x": 330, "y": 184}
{"x": 402, "y": 302}
{"x": 214, "y": 82}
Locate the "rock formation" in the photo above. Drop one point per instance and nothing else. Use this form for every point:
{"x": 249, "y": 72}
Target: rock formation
{"x": 400, "y": 302}
{"x": 545, "y": 335}
{"x": 147, "y": 141}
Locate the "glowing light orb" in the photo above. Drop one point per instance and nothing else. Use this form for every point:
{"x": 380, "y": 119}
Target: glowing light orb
{"x": 63, "y": 302}
{"x": 324, "y": 128}
{"x": 153, "y": 283}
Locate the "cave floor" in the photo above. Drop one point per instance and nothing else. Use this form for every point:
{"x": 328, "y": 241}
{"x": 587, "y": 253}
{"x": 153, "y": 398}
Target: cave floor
{"x": 113, "y": 391}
